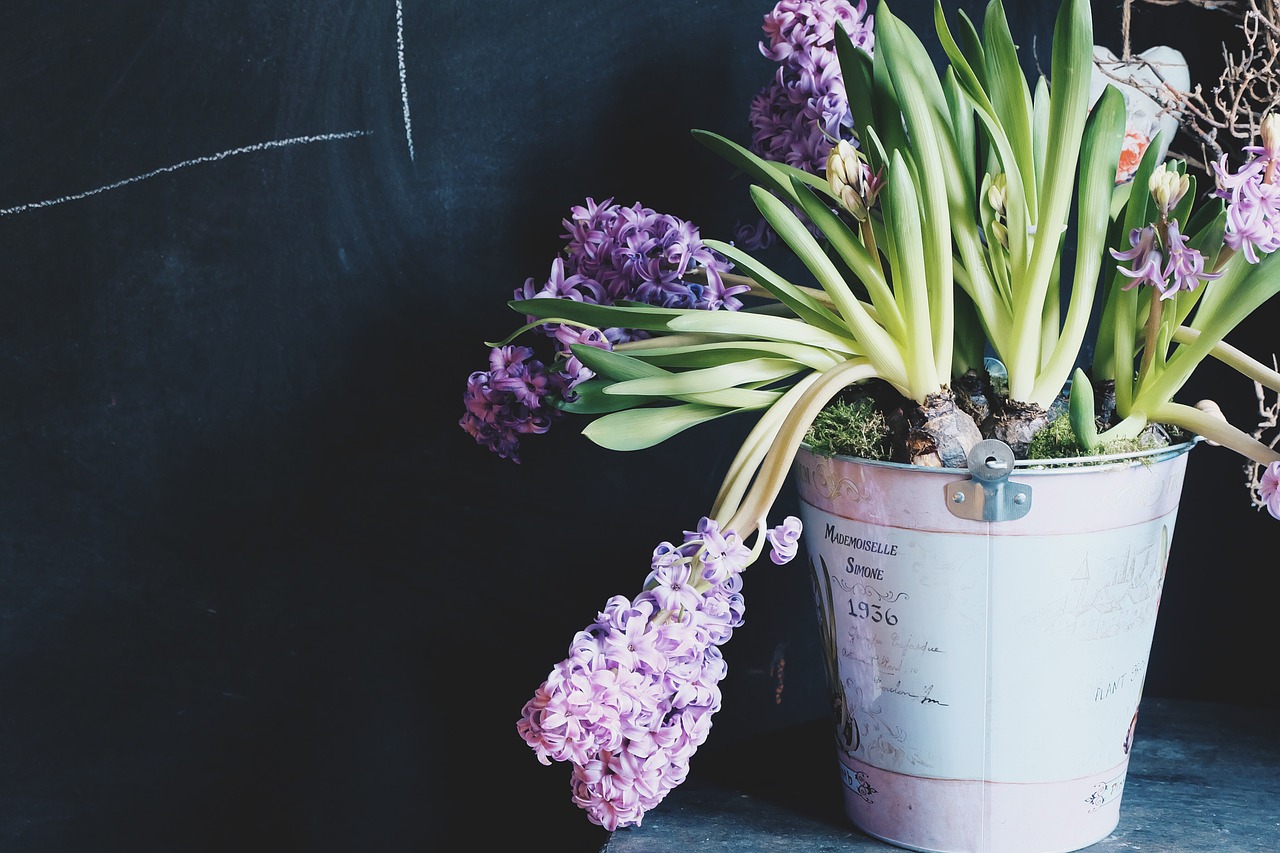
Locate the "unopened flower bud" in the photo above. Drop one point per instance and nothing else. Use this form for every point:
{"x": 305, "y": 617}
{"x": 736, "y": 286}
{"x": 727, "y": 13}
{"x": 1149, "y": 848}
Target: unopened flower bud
{"x": 997, "y": 193}
{"x": 844, "y": 176}
{"x": 1270, "y": 132}
{"x": 997, "y": 197}
{"x": 1167, "y": 187}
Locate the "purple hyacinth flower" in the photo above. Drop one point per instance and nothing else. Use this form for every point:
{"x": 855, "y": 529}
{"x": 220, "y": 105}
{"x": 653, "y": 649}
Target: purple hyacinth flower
{"x": 797, "y": 115}
{"x": 507, "y": 401}
{"x": 1253, "y": 199}
{"x": 1145, "y": 257}
{"x": 1185, "y": 268}
{"x": 635, "y": 697}
{"x": 1269, "y": 489}
{"x": 784, "y": 540}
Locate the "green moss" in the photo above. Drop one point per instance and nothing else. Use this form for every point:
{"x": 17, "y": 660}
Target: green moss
{"x": 1058, "y": 441}
{"x": 850, "y": 428}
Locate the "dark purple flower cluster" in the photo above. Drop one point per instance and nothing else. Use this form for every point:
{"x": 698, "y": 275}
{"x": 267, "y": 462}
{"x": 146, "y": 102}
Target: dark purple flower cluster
{"x": 633, "y": 700}
{"x": 797, "y": 116}
{"x": 615, "y": 253}
{"x": 508, "y": 400}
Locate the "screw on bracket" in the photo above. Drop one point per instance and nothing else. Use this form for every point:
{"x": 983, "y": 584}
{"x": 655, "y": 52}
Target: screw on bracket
{"x": 989, "y": 496}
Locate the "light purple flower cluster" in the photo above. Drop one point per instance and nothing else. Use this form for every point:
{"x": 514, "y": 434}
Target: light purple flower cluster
{"x": 1253, "y": 197}
{"x": 796, "y": 117}
{"x": 615, "y": 253}
{"x": 634, "y": 699}
{"x": 1184, "y": 269}
{"x": 1269, "y": 489}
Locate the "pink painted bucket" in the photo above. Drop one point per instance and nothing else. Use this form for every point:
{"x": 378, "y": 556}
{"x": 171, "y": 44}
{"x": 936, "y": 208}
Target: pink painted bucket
{"x": 987, "y": 637}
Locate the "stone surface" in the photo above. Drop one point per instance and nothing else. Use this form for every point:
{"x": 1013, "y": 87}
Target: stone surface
{"x": 1203, "y": 778}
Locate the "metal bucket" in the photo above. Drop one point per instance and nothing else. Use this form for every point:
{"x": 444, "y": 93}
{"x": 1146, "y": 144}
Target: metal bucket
{"x": 987, "y": 636}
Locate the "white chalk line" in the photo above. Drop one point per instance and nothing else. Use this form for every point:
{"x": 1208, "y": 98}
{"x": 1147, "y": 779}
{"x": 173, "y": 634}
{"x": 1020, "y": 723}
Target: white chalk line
{"x": 404, "y": 87}
{"x": 221, "y": 155}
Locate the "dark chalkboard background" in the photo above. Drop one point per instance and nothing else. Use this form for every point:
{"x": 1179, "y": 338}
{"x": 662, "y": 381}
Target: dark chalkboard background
{"x": 258, "y": 591}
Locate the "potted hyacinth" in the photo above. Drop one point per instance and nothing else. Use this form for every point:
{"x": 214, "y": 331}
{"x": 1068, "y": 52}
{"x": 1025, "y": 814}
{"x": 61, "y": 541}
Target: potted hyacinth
{"x": 964, "y": 234}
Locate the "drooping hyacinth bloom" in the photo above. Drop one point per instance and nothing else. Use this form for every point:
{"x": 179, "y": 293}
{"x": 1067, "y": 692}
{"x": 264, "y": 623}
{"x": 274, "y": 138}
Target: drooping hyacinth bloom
{"x": 1269, "y": 489}
{"x": 634, "y": 699}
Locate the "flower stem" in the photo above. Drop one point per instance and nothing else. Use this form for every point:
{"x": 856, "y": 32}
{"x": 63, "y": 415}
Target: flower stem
{"x": 1152, "y": 337}
{"x": 1250, "y": 367}
{"x": 1216, "y": 430}
{"x": 777, "y": 464}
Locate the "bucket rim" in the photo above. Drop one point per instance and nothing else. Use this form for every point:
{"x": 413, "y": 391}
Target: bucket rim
{"x": 1082, "y": 464}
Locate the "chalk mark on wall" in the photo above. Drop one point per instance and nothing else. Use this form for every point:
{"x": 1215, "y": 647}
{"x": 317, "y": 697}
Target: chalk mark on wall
{"x": 210, "y": 158}
{"x": 404, "y": 87}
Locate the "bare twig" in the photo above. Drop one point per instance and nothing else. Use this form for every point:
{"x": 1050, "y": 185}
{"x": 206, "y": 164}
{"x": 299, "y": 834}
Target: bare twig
{"x": 1269, "y": 421}
{"x": 1229, "y": 114}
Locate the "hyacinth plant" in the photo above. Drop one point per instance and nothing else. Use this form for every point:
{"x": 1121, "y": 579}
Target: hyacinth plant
{"x": 936, "y": 235}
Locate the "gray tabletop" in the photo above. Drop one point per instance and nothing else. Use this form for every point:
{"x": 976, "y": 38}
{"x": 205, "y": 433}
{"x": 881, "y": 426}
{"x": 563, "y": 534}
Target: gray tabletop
{"x": 1203, "y": 777}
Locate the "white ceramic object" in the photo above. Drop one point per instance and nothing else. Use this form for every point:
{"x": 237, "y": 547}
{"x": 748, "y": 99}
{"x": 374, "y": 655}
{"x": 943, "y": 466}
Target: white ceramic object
{"x": 1157, "y": 66}
{"x": 986, "y": 674}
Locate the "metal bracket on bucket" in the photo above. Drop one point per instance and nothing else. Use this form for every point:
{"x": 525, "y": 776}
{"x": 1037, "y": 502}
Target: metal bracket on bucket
{"x": 989, "y": 496}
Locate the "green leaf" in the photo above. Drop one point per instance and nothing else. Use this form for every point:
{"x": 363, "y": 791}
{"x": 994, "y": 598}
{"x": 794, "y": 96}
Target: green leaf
{"x": 622, "y": 367}
{"x": 796, "y": 235}
{"x": 599, "y": 316}
{"x": 1099, "y": 156}
{"x": 937, "y": 175}
{"x": 1204, "y": 234}
{"x": 1243, "y": 289}
{"x": 970, "y": 44}
{"x": 885, "y": 110}
{"x": 850, "y": 250}
{"x": 878, "y": 344}
{"x": 741, "y": 324}
{"x": 1007, "y": 86}
{"x": 774, "y": 176}
{"x": 1072, "y": 69}
{"x": 637, "y": 429}
{"x": 911, "y": 286}
{"x": 1017, "y": 215}
{"x": 592, "y": 400}
{"x": 857, "y": 72}
{"x": 962, "y": 127}
{"x": 801, "y": 303}
{"x": 727, "y": 352}
{"x": 1115, "y": 347}
{"x": 1040, "y": 129}
{"x": 1080, "y": 409}
{"x": 708, "y": 379}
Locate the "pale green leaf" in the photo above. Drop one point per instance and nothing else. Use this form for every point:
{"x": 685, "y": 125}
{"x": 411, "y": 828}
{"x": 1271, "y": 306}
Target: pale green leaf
{"x": 726, "y": 352}
{"x": 707, "y": 379}
{"x": 801, "y": 303}
{"x": 622, "y": 367}
{"x": 741, "y": 324}
{"x": 637, "y": 429}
